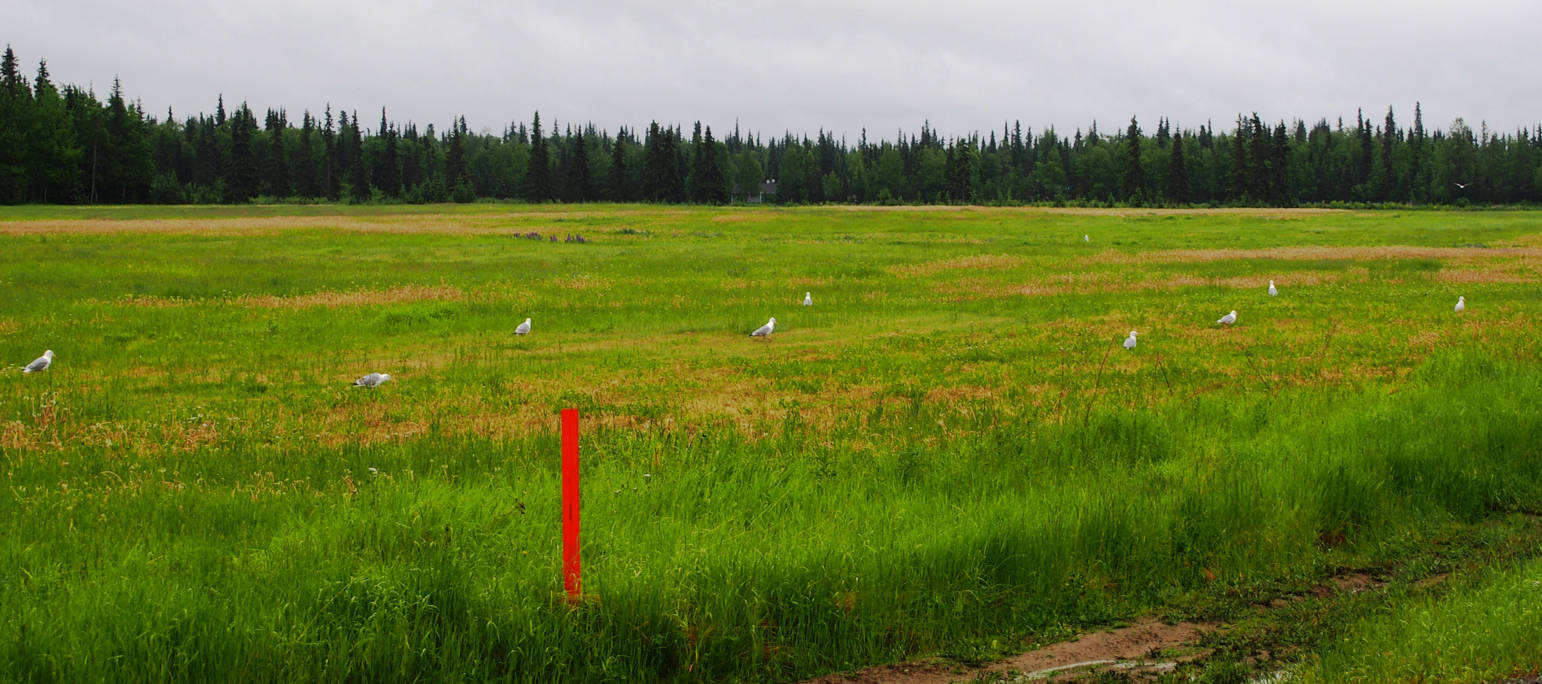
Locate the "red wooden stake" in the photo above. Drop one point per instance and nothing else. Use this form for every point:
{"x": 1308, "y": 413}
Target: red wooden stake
{"x": 570, "y": 564}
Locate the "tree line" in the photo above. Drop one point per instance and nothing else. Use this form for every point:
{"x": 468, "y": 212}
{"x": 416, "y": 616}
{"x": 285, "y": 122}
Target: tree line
{"x": 64, "y": 145}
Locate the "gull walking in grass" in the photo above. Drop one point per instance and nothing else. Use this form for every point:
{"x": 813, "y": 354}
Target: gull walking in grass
{"x": 372, "y": 380}
{"x": 41, "y": 363}
{"x": 765, "y": 330}
{"x": 1129, "y": 342}
{"x": 1272, "y": 291}
{"x": 808, "y": 299}
{"x": 523, "y": 329}
{"x": 1228, "y": 319}
{"x": 1461, "y": 305}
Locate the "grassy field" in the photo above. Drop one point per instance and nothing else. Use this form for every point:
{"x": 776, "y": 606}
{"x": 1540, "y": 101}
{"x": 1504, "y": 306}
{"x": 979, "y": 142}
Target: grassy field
{"x": 948, "y": 454}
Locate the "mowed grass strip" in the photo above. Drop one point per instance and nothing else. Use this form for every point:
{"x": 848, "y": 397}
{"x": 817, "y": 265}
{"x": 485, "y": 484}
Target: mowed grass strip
{"x": 196, "y": 493}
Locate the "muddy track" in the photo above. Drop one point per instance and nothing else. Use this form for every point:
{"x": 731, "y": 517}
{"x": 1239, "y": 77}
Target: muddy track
{"x": 1142, "y": 650}
{"x": 1148, "y": 646}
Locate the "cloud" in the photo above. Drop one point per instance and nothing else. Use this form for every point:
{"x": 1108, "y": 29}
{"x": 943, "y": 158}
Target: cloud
{"x": 801, "y": 65}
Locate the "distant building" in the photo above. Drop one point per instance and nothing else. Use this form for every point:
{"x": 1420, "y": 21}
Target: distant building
{"x": 765, "y": 193}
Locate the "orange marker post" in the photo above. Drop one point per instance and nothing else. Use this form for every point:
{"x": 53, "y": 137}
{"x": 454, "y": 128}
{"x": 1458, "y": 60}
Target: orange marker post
{"x": 570, "y": 562}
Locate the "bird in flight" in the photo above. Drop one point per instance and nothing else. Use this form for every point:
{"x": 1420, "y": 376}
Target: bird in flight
{"x": 1461, "y": 186}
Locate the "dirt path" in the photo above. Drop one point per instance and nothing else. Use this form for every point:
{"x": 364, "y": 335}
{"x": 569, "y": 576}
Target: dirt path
{"x": 1141, "y": 650}
{"x": 1148, "y": 646}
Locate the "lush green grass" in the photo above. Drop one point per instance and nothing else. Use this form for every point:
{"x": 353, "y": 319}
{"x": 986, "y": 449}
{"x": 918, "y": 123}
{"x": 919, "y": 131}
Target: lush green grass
{"x": 1480, "y": 631}
{"x": 947, "y": 454}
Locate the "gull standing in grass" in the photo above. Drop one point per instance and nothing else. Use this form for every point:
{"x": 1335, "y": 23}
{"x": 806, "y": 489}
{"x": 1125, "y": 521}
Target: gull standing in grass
{"x": 1228, "y": 319}
{"x": 1086, "y": 238}
{"x": 1272, "y": 291}
{"x": 808, "y": 299}
{"x": 372, "y": 380}
{"x": 41, "y": 363}
{"x": 1461, "y": 305}
{"x": 523, "y": 329}
{"x": 765, "y": 330}
{"x": 1129, "y": 342}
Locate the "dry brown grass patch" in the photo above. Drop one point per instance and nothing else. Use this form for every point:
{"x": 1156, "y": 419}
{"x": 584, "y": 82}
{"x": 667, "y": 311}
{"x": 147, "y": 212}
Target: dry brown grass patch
{"x": 1312, "y": 253}
{"x": 1260, "y": 212}
{"x": 333, "y": 300}
{"x": 742, "y": 217}
{"x": 449, "y": 224}
{"x": 976, "y": 262}
{"x": 954, "y": 395}
{"x": 14, "y": 435}
{"x": 1523, "y": 275}
{"x": 1100, "y": 282}
{"x": 324, "y": 299}
{"x": 198, "y": 226}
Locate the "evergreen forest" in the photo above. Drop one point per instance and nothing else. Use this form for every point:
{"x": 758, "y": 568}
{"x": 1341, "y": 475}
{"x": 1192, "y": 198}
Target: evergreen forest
{"x": 64, "y": 145}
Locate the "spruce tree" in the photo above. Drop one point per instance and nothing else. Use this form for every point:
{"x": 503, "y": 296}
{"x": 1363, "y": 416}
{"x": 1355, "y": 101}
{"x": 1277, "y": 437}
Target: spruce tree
{"x": 1260, "y": 168}
{"x": 1049, "y": 177}
{"x": 358, "y": 174}
{"x": 455, "y": 172}
{"x": 1418, "y": 177}
{"x": 241, "y": 169}
{"x": 391, "y": 164}
{"x": 579, "y": 185}
{"x": 275, "y": 164}
{"x": 11, "y": 80}
{"x": 538, "y": 174}
{"x": 1387, "y": 184}
{"x": 1134, "y": 181}
{"x": 1177, "y": 172}
{"x": 331, "y": 171}
{"x": 1238, "y": 173}
{"x": 1363, "y": 156}
{"x": 714, "y": 180}
{"x": 306, "y": 171}
{"x": 656, "y": 163}
{"x": 693, "y": 167}
{"x": 619, "y": 185}
{"x": 15, "y": 122}
{"x": 674, "y": 165}
{"x": 1280, "y": 190}
{"x": 54, "y": 149}
{"x": 127, "y": 170}
{"x": 209, "y": 168}
{"x": 344, "y": 146}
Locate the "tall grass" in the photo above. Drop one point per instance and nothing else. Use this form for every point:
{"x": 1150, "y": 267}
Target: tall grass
{"x": 196, "y": 496}
{"x": 1481, "y": 631}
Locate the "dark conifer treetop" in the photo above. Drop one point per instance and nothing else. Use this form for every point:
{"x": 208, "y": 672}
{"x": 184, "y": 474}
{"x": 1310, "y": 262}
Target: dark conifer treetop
{"x": 62, "y": 144}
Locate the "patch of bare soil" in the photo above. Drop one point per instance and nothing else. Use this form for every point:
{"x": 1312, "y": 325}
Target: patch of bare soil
{"x": 1144, "y": 647}
{"x": 1141, "y": 651}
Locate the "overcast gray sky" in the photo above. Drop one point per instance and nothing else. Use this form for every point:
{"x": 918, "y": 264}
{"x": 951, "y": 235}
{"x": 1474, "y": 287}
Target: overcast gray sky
{"x": 801, "y": 65}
